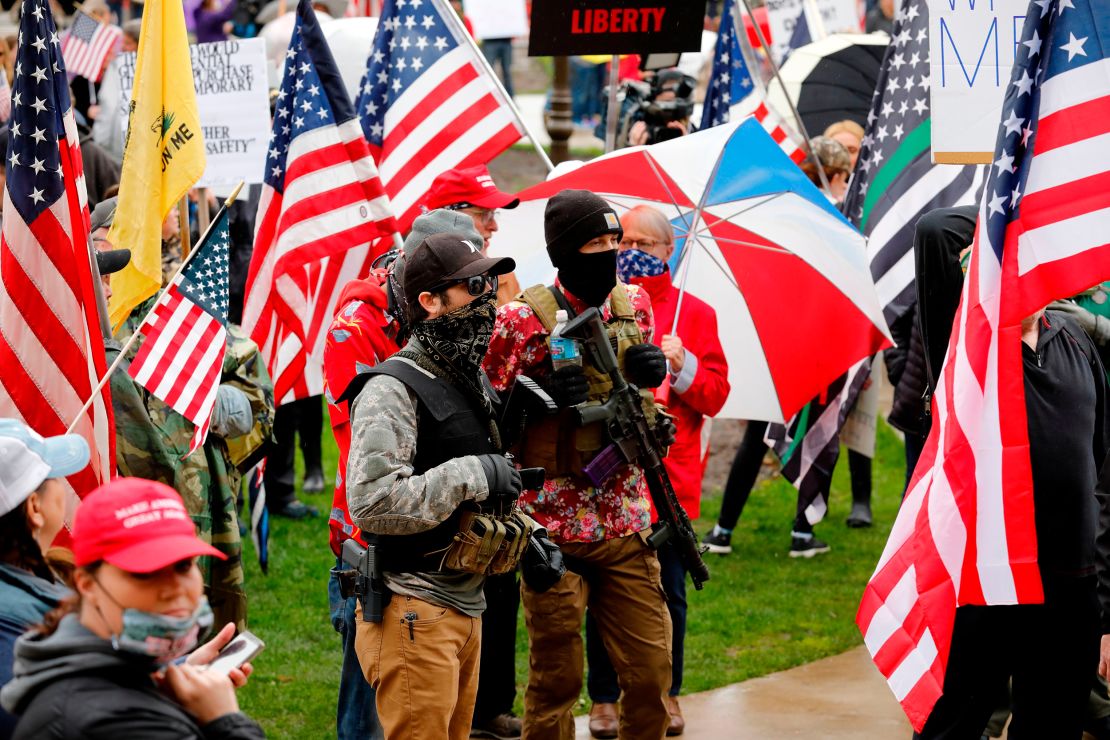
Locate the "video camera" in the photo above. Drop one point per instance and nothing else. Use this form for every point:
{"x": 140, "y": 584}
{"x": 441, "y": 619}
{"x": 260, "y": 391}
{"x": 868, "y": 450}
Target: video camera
{"x": 668, "y": 98}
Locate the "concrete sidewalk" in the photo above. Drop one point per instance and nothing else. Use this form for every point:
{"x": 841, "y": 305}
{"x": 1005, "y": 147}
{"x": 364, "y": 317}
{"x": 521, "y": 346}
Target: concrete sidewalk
{"x": 838, "y": 698}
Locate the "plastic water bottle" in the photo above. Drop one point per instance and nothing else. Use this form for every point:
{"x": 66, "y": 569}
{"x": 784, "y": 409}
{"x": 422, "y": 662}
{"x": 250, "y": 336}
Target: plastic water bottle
{"x": 564, "y": 350}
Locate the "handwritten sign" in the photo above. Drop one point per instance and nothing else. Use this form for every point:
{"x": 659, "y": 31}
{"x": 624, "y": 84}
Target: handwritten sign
{"x": 234, "y": 106}
{"x": 972, "y": 47}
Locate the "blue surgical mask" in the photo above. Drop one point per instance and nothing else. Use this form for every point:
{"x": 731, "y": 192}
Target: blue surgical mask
{"x": 633, "y": 263}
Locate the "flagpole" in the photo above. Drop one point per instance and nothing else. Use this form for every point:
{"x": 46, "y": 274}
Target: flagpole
{"x": 98, "y": 290}
{"x": 460, "y": 30}
{"x": 135, "y": 336}
{"x": 785, "y": 93}
{"x": 612, "y": 111}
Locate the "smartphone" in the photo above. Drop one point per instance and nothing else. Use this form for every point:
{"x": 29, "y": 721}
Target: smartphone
{"x": 244, "y": 647}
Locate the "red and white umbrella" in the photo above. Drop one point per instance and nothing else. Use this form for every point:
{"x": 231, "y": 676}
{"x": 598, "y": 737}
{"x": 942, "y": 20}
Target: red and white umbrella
{"x": 786, "y": 273}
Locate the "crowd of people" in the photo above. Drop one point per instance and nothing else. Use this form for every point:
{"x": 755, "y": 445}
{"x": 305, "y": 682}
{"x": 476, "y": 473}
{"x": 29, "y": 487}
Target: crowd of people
{"x": 476, "y": 479}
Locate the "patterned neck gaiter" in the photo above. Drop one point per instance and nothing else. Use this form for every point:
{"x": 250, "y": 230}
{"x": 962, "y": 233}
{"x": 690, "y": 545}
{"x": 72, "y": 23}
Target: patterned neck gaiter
{"x": 633, "y": 263}
{"x": 460, "y": 339}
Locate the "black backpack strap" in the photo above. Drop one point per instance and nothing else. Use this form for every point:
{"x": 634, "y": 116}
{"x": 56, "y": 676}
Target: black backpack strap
{"x": 562, "y": 301}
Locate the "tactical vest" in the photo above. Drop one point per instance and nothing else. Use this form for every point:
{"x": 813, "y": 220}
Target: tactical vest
{"x": 558, "y": 443}
{"x": 449, "y": 425}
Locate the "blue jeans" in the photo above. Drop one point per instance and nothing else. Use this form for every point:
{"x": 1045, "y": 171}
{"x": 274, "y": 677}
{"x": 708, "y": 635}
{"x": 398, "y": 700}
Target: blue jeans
{"x": 500, "y": 51}
{"x": 356, "y": 716}
{"x": 601, "y": 679}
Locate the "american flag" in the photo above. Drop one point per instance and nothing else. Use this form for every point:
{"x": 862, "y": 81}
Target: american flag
{"x": 322, "y": 218}
{"x": 427, "y": 103}
{"x": 88, "y": 44}
{"x": 895, "y": 157}
{"x": 184, "y": 336}
{"x": 51, "y": 348}
{"x": 965, "y": 533}
{"x": 733, "y": 92}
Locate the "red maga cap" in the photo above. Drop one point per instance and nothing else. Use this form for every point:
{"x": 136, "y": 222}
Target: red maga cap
{"x": 137, "y": 525}
{"x": 471, "y": 185}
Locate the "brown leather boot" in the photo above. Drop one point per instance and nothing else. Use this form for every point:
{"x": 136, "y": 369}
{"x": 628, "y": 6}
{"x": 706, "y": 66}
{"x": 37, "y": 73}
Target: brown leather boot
{"x": 604, "y": 721}
{"x": 678, "y": 723}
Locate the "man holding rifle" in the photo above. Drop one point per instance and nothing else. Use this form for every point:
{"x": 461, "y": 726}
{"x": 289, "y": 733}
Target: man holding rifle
{"x": 595, "y": 502}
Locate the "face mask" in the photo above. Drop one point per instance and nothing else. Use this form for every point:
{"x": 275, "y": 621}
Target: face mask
{"x": 159, "y": 636}
{"x": 590, "y": 277}
{"x": 633, "y": 263}
{"x": 462, "y": 336}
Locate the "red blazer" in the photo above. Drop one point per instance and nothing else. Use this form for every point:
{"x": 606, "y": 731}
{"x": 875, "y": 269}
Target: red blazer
{"x": 697, "y": 392}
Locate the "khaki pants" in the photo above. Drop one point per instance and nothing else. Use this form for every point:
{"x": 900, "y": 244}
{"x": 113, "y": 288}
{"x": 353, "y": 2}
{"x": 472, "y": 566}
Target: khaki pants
{"x": 425, "y": 672}
{"x": 619, "y": 581}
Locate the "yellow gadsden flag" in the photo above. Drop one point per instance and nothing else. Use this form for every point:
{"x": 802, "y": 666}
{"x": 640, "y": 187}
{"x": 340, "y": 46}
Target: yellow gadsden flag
{"x": 164, "y": 154}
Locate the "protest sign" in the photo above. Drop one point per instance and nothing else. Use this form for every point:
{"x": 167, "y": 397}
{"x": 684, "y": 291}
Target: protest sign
{"x": 837, "y": 16}
{"x": 233, "y": 101}
{"x": 497, "y": 19}
{"x": 972, "y": 46}
{"x": 615, "y": 26}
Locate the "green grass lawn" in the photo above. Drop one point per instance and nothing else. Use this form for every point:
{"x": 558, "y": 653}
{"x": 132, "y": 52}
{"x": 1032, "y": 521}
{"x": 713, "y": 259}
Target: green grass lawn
{"x": 761, "y": 612}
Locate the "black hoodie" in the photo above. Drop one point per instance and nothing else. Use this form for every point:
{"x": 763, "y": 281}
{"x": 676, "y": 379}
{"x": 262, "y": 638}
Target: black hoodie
{"x": 73, "y": 684}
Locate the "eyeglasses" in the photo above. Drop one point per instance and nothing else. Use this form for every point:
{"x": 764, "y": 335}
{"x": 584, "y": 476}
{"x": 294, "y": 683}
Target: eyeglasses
{"x": 642, "y": 244}
{"x": 475, "y": 286}
{"x": 486, "y": 216}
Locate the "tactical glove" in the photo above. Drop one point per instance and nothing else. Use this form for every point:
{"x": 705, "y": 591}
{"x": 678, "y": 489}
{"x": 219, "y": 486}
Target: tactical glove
{"x": 502, "y": 478}
{"x": 646, "y": 365}
{"x": 665, "y": 430}
{"x": 567, "y": 386}
{"x": 542, "y": 564}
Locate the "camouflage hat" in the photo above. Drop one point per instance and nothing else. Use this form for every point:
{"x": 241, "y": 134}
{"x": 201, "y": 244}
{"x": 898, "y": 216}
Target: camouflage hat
{"x": 103, "y": 215}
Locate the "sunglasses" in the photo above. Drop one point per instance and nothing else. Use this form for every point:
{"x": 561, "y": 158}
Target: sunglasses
{"x": 475, "y": 286}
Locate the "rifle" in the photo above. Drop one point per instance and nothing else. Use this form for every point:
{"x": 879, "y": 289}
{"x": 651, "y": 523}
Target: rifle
{"x": 634, "y": 442}
{"x": 526, "y": 399}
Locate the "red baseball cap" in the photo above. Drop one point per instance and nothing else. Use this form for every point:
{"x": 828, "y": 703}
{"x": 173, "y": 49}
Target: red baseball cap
{"x": 137, "y": 525}
{"x": 469, "y": 185}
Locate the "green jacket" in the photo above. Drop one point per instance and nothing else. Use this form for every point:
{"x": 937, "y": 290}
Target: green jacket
{"x": 152, "y": 438}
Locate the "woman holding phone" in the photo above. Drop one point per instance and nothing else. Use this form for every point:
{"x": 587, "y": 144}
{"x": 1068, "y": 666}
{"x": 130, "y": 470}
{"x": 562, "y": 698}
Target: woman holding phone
{"x": 108, "y": 663}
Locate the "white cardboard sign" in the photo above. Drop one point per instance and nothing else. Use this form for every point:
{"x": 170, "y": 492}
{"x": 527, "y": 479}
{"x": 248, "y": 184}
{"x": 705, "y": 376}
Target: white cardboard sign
{"x": 972, "y": 47}
{"x": 837, "y": 15}
{"x": 497, "y": 19}
{"x": 234, "y": 106}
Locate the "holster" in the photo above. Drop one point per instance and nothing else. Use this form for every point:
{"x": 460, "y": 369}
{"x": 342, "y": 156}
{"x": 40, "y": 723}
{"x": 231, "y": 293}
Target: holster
{"x": 364, "y": 581}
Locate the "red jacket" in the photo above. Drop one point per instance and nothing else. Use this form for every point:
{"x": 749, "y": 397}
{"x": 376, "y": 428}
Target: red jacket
{"x": 356, "y": 341}
{"x": 698, "y": 391}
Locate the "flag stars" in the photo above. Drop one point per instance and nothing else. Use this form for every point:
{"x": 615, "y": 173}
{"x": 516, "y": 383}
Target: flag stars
{"x": 1025, "y": 134}
{"x": 1034, "y": 44}
{"x": 39, "y": 135}
{"x": 427, "y": 22}
{"x": 39, "y": 43}
{"x": 39, "y": 105}
{"x": 1074, "y": 47}
{"x": 1013, "y": 123}
{"x": 441, "y": 43}
{"x": 39, "y": 74}
{"x": 1064, "y": 5}
{"x": 919, "y": 105}
{"x": 37, "y": 196}
{"x": 1015, "y": 196}
{"x": 1005, "y": 163}
{"x": 995, "y": 205}
{"x": 1025, "y": 84}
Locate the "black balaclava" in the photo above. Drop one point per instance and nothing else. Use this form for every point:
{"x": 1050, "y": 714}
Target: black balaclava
{"x": 572, "y": 218}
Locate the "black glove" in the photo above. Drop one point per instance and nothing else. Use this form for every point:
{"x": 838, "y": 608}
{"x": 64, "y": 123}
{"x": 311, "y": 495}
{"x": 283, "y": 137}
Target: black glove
{"x": 567, "y": 386}
{"x": 645, "y": 365}
{"x": 542, "y": 564}
{"x": 665, "y": 430}
{"x": 502, "y": 478}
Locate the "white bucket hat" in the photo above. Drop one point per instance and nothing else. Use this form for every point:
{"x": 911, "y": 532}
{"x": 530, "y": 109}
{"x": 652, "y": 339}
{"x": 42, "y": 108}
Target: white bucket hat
{"x": 27, "y": 459}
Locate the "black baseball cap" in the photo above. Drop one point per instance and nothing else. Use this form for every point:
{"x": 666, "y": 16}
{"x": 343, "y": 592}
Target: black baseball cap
{"x": 112, "y": 260}
{"x": 446, "y": 258}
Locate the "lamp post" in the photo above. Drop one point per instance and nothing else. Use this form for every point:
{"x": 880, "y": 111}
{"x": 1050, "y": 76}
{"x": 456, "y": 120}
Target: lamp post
{"x": 559, "y": 123}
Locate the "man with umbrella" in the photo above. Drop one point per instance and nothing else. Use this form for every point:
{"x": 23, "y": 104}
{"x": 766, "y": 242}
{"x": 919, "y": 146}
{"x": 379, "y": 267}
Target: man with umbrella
{"x": 600, "y": 529}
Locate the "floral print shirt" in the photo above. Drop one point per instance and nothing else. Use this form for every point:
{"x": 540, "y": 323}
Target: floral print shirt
{"x": 570, "y": 509}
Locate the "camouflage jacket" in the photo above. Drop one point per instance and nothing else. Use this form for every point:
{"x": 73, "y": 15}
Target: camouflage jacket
{"x": 151, "y": 439}
{"x": 385, "y": 497}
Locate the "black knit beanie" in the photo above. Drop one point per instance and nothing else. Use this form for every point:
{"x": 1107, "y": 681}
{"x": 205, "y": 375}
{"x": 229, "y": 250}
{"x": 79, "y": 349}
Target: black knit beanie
{"x": 574, "y": 217}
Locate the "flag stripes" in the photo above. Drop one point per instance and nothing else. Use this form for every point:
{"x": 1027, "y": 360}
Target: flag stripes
{"x": 427, "y": 104}
{"x": 51, "y": 348}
